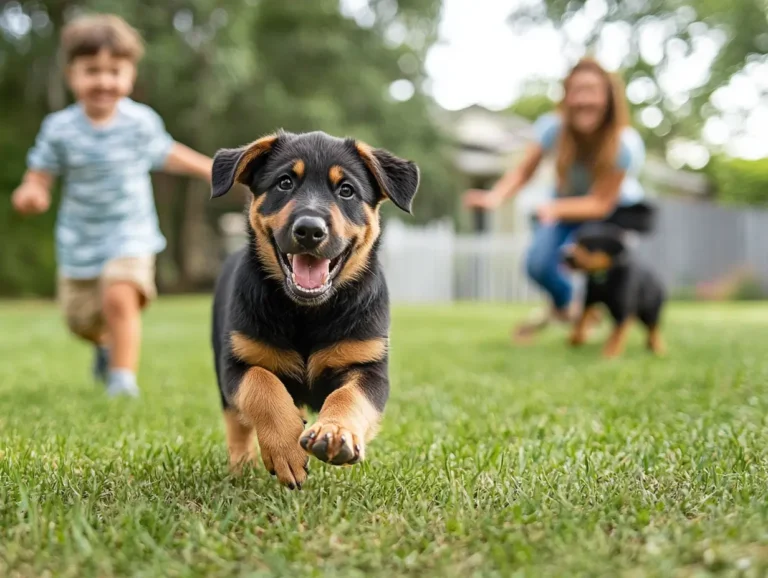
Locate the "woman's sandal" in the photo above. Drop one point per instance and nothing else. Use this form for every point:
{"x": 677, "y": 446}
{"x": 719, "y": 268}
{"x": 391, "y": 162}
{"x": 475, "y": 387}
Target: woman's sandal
{"x": 525, "y": 332}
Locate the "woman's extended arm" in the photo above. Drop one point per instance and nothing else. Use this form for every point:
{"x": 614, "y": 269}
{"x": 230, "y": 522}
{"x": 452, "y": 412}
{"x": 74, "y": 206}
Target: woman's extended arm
{"x": 598, "y": 204}
{"x": 509, "y": 184}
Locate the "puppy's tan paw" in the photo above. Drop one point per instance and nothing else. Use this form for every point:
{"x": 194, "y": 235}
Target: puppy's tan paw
{"x": 333, "y": 443}
{"x": 577, "y": 339}
{"x": 287, "y": 461}
{"x": 656, "y": 344}
{"x": 237, "y": 462}
{"x": 611, "y": 352}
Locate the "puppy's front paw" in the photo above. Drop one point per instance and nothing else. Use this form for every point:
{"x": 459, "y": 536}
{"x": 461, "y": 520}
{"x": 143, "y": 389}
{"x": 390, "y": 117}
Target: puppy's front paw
{"x": 610, "y": 351}
{"x": 286, "y": 460}
{"x": 333, "y": 443}
{"x": 577, "y": 339}
{"x": 659, "y": 350}
{"x": 656, "y": 344}
{"x": 238, "y": 461}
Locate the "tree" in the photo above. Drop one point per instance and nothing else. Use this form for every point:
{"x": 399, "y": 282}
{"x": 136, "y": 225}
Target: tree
{"x": 740, "y": 182}
{"x": 531, "y": 106}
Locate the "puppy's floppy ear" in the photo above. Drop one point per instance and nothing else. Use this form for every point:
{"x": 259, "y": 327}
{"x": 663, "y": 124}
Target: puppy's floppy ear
{"x": 397, "y": 178}
{"x": 640, "y": 217}
{"x": 605, "y": 233}
{"x": 614, "y": 240}
{"x": 615, "y": 247}
{"x": 232, "y": 166}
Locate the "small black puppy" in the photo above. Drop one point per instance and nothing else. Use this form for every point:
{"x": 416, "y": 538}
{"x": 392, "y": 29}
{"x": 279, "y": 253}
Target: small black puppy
{"x": 301, "y": 315}
{"x": 617, "y": 280}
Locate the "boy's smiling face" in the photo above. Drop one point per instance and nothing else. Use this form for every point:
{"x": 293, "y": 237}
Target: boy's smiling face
{"x": 100, "y": 81}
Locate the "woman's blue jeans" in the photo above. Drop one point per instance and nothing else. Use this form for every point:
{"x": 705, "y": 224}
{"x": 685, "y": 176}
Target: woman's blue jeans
{"x": 544, "y": 261}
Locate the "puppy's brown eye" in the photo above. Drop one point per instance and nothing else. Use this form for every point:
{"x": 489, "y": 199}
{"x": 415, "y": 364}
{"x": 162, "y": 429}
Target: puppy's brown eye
{"x": 346, "y": 191}
{"x": 285, "y": 183}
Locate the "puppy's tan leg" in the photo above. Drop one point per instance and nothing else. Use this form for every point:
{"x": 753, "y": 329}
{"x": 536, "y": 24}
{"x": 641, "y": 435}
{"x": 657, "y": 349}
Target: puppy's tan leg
{"x": 346, "y": 422}
{"x": 265, "y": 404}
{"x": 617, "y": 339}
{"x": 655, "y": 341}
{"x": 579, "y": 333}
{"x": 239, "y": 440}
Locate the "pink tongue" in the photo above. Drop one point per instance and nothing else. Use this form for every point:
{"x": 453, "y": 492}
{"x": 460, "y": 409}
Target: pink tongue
{"x": 310, "y": 271}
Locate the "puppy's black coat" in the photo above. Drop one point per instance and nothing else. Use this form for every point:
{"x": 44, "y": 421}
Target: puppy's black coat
{"x": 618, "y": 280}
{"x": 301, "y": 314}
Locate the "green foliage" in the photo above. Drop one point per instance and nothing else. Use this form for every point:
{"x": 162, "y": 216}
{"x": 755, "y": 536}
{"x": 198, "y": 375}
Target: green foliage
{"x": 750, "y": 290}
{"x": 27, "y": 260}
{"x": 740, "y": 182}
{"x": 532, "y": 106}
{"x": 491, "y": 460}
{"x": 222, "y": 73}
{"x": 743, "y": 21}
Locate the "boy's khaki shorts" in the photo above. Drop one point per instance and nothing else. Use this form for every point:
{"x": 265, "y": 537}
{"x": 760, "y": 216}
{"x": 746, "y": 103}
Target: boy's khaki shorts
{"x": 81, "y": 299}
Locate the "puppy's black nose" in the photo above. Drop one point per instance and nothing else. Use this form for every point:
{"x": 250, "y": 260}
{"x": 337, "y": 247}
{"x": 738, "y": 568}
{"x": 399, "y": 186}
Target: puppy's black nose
{"x": 309, "y": 232}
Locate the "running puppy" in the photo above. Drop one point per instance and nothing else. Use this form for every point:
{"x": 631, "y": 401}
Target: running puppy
{"x": 301, "y": 315}
{"x": 615, "y": 279}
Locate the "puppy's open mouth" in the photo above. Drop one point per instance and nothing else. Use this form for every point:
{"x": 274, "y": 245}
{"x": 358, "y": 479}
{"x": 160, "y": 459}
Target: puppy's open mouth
{"x": 311, "y": 277}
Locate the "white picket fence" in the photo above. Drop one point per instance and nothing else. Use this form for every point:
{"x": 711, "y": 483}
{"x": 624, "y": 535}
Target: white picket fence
{"x": 694, "y": 242}
{"x": 434, "y": 264}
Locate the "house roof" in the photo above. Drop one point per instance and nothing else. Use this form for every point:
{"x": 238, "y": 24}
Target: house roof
{"x": 484, "y": 139}
{"x": 479, "y": 128}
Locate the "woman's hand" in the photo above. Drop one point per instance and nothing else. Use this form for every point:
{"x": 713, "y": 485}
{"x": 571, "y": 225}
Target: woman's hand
{"x": 480, "y": 199}
{"x": 597, "y": 205}
{"x": 508, "y": 185}
{"x": 547, "y": 213}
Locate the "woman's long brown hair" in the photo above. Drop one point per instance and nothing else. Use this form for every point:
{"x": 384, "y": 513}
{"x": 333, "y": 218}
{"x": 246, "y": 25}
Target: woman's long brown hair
{"x": 600, "y": 154}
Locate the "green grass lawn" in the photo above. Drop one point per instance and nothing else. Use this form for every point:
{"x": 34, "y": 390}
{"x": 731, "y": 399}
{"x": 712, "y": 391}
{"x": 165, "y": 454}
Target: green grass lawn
{"x": 492, "y": 460}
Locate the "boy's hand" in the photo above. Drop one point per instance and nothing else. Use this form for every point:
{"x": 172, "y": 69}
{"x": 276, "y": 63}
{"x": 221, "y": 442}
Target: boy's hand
{"x": 33, "y": 196}
{"x": 31, "y": 199}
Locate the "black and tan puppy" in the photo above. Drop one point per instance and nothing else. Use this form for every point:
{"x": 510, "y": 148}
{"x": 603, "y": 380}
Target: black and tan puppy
{"x": 301, "y": 315}
{"x": 627, "y": 288}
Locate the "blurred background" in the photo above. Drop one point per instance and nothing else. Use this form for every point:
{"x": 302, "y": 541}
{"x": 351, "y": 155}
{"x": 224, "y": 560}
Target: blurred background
{"x": 453, "y": 85}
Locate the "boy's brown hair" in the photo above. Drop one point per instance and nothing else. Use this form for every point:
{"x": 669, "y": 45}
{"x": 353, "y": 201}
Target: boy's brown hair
{"x": 90, "y": 34}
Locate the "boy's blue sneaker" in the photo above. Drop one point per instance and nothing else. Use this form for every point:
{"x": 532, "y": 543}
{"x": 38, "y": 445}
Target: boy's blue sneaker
{"x": 101, "y": 364}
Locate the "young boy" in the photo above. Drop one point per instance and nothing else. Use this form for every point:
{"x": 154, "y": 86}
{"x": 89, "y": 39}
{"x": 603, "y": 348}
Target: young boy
{"x": 107, "y": 233}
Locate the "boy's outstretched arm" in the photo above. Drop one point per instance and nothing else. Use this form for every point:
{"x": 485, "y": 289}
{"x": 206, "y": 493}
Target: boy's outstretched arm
{"x": 33, "y": 195}
{"x": 183, "y": 160}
